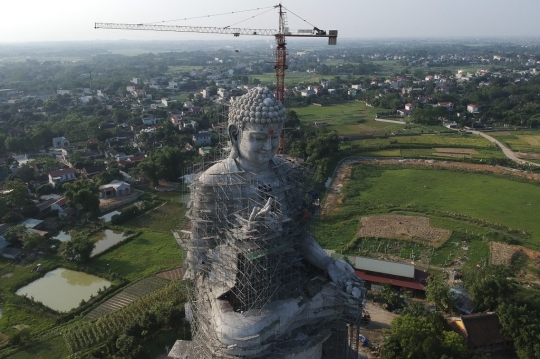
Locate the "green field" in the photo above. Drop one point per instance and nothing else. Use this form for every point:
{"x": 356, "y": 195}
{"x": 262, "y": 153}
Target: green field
{"x": 456, "y": 146}
{"x": 443, "y": 140}
{"x": 356, "y": 118}
{"x": 522, "y": 141}
{"x": 476, "y": 207}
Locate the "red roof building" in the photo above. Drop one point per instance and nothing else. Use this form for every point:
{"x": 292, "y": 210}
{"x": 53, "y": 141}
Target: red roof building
{"x": 480, "y": 331}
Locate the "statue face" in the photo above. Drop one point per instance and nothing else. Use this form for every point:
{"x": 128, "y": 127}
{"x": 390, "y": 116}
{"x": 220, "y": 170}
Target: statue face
{"x": 258, "y": 143}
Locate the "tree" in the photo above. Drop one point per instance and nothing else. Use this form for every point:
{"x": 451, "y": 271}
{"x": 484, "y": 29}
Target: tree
{"x": 389, "y": 297}
{"x": 32, "y": 240}
{"x": 128, "y": 347}
{"x": 292, "y": 119}
{"x": 423, "y": 337}
{"x": 523, "y": 325}
{"x": 487, "y": 286}
{"x": 321, "y": 146}
{"x": 79, "y": 248}
{"x": 438, "y": 293}
{"x": 163, "y": 163}
{"x": 25, "y": 173}
{"x": 15, "y": 233}
{"x": 18, "y": 192}
{"x": 83, "y": 194}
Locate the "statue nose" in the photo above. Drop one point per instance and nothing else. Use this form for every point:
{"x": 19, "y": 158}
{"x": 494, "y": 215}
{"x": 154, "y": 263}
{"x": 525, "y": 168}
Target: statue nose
{"x": 268, "y": 143}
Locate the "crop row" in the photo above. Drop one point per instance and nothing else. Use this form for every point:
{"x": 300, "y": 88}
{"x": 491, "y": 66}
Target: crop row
{"x": 87, "y": 334}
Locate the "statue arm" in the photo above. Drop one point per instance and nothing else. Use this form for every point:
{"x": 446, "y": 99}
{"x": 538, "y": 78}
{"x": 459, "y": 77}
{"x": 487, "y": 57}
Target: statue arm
{"x": 314, "y": 254}
{"x": 340, "y": 272}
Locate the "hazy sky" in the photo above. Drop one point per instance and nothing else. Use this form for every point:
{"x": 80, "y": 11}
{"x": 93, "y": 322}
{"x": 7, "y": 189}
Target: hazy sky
{"x": 67, "y": 20}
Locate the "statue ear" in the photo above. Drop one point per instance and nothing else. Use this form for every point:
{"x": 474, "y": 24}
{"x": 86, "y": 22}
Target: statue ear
{"x": 233, "y": 136}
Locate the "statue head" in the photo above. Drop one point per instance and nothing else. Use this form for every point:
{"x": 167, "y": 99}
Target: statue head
{"x": 255, "y": 123}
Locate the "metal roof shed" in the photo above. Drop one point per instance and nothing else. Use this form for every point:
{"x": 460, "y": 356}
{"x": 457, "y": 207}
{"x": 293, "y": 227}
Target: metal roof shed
{"x": 384, "y": 267}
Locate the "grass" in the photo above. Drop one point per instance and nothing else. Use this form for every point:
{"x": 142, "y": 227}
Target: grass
{"x": 148, "y": 253}
{"x": 486, "y": 211}
{"x": 162, "y": 219}
{"x": 52, "y": 348}
{"x": 16, "y": 311}
{"x": 154, "y": 249}
{"x": 356, "y": 118}
{"x": 424, "y": 146}
{"x": 522, "y": 141}
{"x": 443, "y": 140}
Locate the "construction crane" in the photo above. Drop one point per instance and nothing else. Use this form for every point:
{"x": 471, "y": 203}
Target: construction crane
{"x": 280, "y": 35}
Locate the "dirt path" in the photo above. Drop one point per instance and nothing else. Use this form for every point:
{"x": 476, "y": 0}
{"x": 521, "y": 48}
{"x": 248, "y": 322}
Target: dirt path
{"x": 507, "y": 152}
{"x": 373, "y": 331}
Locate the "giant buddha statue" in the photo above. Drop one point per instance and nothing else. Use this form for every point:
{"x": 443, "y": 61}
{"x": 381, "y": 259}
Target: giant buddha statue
{"x": 262, "y": 287}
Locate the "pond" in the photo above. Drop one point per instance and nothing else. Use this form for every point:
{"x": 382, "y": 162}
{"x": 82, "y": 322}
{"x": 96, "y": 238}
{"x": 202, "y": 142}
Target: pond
{"x": 107, "y": 217}
{"x": 63, "y": 289}
{"x": 63, "y": 236}
{"x": 106, "y": 240}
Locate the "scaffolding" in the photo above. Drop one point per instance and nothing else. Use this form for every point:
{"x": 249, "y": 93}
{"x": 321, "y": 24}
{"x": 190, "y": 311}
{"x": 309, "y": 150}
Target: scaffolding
{"x": 252, "y": 293}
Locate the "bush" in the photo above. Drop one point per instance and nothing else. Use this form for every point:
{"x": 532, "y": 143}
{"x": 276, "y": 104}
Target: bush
{"x": 12, "y": 217}
{"x": 134, "y": 211}
{"x": 45, "y": 189}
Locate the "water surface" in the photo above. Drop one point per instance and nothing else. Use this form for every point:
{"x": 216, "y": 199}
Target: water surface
{"x": 63, "y": 236}
{"x": 63, "y": 289}
{"x": 106, "y": 240}
{"x": 107, "y": 217}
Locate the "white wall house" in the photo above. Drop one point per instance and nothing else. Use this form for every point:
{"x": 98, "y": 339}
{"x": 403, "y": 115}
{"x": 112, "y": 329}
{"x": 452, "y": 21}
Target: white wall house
{"x": 60, "y": 142}
{"x": 473, "y": 108}
{"x": 61, "y": 176}
{"x": 202, "y": 139}
{"x": 115, "y": 189}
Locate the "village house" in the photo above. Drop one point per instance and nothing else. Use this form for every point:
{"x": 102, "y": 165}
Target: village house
{"x": 480, "y": 331}
{"x": 62, "y": 207}
{"x": 473, "y": 108}
{"x": 448, "y": 105}
{"x": 202, "y": 139}
{"x": 114, "y": 189}
{"x": 61, "y": 176}
{"x": 60, "y": 142}
{"x": 411, "y": 106}
{"x": 404, "y": 112}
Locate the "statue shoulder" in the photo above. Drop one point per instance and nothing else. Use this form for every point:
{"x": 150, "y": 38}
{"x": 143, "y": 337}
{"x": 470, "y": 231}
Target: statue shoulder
{"x": 286, "y": 164}
{"x": 218, "y": 172}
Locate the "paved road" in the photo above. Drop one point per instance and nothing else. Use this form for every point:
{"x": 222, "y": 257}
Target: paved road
{"x": 507, "y": 152}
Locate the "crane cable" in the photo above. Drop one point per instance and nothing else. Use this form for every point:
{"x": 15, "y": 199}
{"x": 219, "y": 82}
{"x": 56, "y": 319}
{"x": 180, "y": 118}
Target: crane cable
{"x": 299, "y": 17}
{"x": 249, "y": 18}
{"x": 206, "y": 16}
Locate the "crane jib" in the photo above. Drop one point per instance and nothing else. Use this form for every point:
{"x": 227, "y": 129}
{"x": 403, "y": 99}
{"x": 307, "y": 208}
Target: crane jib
{"x": 214, "y": 30}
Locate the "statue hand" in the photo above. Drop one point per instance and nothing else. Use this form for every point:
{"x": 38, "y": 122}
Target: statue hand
{"x": 345, "y": 277}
